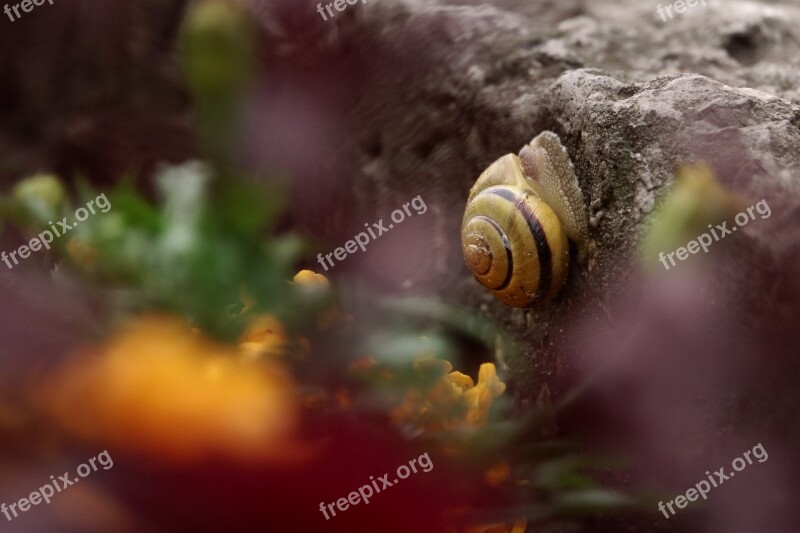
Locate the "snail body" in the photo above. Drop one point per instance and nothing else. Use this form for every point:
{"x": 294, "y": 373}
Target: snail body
{"x": 520, "y": 215}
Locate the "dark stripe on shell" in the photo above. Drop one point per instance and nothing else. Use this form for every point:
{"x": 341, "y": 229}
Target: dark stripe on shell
{"x": 537, "y": 231}
{"x": 510, "y": 259}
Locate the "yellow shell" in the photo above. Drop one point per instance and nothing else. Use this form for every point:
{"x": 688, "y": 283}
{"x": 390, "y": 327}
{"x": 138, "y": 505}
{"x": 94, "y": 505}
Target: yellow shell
{"x": 512, "y": 240}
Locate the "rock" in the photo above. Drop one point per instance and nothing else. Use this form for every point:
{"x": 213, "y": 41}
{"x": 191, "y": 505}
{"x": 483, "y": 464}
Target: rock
{"x": 427, "y": 94}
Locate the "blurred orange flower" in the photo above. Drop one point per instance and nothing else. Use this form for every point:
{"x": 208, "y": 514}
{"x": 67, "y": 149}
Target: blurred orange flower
{"x": 517, "y": 527}
{"x": 498, "y": 474}
{"x": 156, "y": 387}
{"x": 462, "y": 513}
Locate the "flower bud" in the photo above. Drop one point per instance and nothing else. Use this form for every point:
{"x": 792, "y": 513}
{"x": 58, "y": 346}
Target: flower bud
{"x": 217, "y": 49}
{"x": 39, "y": 197}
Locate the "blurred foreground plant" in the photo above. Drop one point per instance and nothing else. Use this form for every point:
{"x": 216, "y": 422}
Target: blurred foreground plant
{"x": 215, "y": 352}
{"x": 159, "y": 388}
{"x": 694, "y": 201}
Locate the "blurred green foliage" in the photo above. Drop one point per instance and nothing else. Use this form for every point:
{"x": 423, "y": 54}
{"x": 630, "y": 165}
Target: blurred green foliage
{"x": 208, "y": 240}
{"x": 191, "y": 253}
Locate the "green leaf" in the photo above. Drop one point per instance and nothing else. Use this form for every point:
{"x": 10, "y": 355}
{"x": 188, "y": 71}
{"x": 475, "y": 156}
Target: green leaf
{"x": 591, "y": 502}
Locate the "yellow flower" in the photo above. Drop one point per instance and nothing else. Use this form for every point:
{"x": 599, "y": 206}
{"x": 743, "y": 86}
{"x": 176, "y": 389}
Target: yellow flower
{"x": 157, "y": 388}
{"x": 461, "y": 381}
{"x": 82, "y": 253}
{"x": 264, "y": 335}
{"x": 481, "y": 396}
{"x": 310, "y": 279}
{"x": 453, "y": 402}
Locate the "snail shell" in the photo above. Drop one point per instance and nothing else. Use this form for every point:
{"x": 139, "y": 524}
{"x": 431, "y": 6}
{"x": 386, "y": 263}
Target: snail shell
{"x": 513, "y": 236}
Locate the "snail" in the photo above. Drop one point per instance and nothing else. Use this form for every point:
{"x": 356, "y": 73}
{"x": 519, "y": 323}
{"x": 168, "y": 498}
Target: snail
{"x": 520, "y": 216}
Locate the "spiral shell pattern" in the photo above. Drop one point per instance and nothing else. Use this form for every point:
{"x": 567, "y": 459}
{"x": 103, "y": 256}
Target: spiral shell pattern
{"x": 513, "y": 242}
